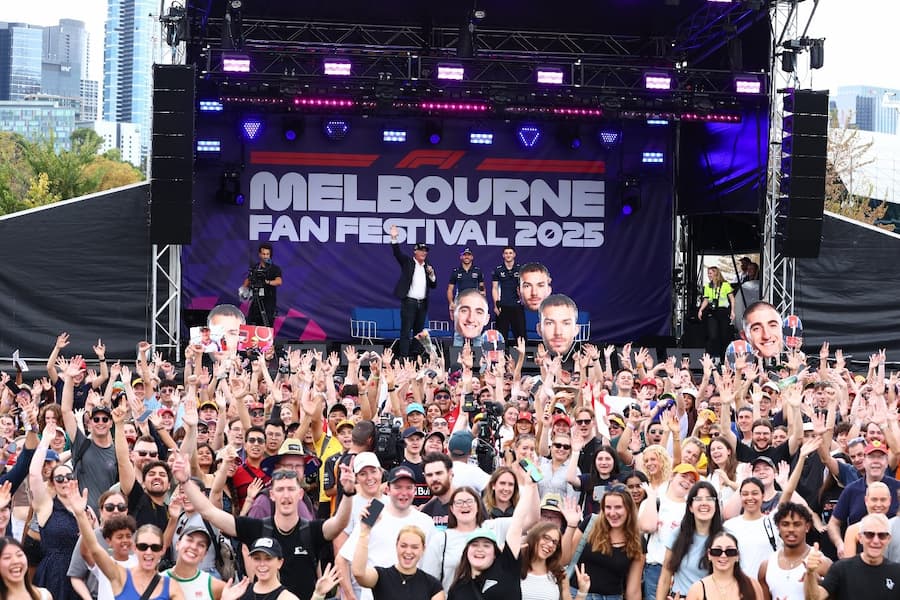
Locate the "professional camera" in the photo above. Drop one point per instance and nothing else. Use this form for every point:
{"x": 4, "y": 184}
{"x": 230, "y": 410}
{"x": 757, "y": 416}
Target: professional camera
{"x": 488, "y": 436}
{"x": 257, "y": 277}
{"x": 388, "y": 443}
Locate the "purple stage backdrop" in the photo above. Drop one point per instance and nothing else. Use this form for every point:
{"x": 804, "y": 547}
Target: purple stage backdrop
{"x": 327, "y": 207}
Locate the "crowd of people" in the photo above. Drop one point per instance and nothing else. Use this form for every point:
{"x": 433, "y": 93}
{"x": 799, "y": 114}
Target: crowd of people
{"x": 607, "y": 475}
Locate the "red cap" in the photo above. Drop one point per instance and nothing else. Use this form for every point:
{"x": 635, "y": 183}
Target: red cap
{"x": 526, "y": 416}
{"x": 875, "y": 446}
{"x": 565, "y": 418}
{"x": 648, "y": 381}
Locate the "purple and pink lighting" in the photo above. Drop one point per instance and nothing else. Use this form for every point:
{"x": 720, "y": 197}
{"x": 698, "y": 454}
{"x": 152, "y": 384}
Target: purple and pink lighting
{"x": 747, "y": 86}
{"x": 657, "y": 81}
{"x": 324, "y": 102}
{"x": 451, "y": 72}
{"x": 236, "y": 63}
{"x": 454, "y": 106}
{"x": 339, "y": 68}
{"x": 549, "y": 76}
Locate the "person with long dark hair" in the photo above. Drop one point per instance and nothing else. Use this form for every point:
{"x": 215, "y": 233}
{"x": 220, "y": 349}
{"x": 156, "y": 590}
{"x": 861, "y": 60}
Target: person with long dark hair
{"x": 604, "y": 473}
{"x": 684, "y": 563}
{"x": 15, "y": 583}
{"x": 543, "y": 572}
{"x": 725, "y": 575}
{"x": 613, "y": 555}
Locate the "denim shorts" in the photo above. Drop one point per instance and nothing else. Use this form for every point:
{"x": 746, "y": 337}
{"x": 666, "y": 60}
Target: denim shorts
{"x": 597, "y": 596}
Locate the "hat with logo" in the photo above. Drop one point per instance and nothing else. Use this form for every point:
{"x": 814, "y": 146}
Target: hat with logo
{"x": 562, "y": 419}
{"x": 762, "y": 459}
{"x": 101, "y": 408}
{"x": 363, "y": 460}
{"x": 875, "y": 446}
{"x": 525, "y": 416}
{"x": 268, "y": 546}
{"x": 460, "y": 443}
{"x": 435, "y": 432}
{"x": 194, "y": 527}
{"x": 401, "y": 472}
{"x": 290, "y": 447}
{"x": 552, "y": 501}
{"x": 465, "y": 251}
{"x": 209, "y": 404}
{"x": 648, "y": 381}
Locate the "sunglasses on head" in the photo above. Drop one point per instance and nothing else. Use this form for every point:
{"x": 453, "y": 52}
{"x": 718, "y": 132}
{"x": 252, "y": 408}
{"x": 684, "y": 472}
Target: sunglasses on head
{"x": 150, "y": 453}
{"x": 284, "y": 474}
{"x": 100, "y": 419}
{"x": 729, "y": 552}
{"x": 561, "y": 446}
{"x": 110, "y": 507}
{"x": 881, "y": 535}
{"x": 64, "y": 478}
{"x": 142, "y": 547}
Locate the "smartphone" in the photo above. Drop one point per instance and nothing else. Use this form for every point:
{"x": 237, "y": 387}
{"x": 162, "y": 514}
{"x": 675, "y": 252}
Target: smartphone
{"x": 375, "y": 509}
{"x": 538, "y": 382}
{"x": 599, "y": 492}
{"x": 533, "y": 471}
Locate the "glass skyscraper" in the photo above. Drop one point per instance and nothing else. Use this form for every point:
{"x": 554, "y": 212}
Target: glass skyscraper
{"x": 20, "y": 60}
{"x": 863, "y": 106}
{"x": 128, "y": 64}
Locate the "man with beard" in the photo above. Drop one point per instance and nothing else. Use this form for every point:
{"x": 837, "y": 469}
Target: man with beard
{"x": 558, "y": 327}
{"x": 464, "y": 277}
{"x": 438, "y": 469}
{"x": 301, "y": 540}
{"x": 781, "y": 575}
{"x": 534, "y": 285}
{"x": 147, "y": 496}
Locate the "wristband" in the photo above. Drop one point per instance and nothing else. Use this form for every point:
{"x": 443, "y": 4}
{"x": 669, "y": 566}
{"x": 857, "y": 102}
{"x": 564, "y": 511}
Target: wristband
{"x": 101, "y": 360}
{"x": 348, "y": 494}
{"x": 571, "y": 526}
{"x": 316, "y": 596}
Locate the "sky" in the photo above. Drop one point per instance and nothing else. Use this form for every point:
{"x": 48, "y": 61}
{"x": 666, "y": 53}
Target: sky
{"x": 858, "y": 34}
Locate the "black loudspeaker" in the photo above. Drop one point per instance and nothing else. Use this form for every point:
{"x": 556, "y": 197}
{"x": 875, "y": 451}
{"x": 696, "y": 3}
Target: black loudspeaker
{"x": 172, "y": 154}
{"x": 803, "y": 165}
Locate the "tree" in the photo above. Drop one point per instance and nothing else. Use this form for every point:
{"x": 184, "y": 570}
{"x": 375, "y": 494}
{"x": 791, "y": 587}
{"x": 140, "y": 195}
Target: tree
{"x": 112, "y": 173}
{"x": 39, "y": 193}
{"x": 848, "y": 191}
{"x": 86, "y": 142}
{"x": 65, "y": 169}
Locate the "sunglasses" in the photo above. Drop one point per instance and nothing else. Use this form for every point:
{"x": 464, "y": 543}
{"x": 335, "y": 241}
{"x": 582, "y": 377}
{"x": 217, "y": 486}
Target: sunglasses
{"x": 443, "y": 396}
{"x": 257, "y": 413}
{"x": 142, "y": 547}
{"x": 439, "y": 423}
{"x": 284, "y": 474}
{"x": 115, "y": 507}
{"x": 729, "y": 552}
{"x": 881, "y": 535}
{"x": 562, "y": 446}
{"x": 64, "y": 478}
{"x": 256, "y": 440}
{"x": 150, "y": 453}
{"x": 100, "y": 419}
{"x": 583, "y": 421}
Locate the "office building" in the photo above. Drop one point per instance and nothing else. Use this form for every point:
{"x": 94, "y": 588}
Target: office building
{"x": 39, "y": 120}
{"x": 863, "y": 107}
{"x": 124, "y": 136}
{"x": 90, "y": 98}
{"x": 20, "y": 60}
{"x": 64, "y": 60}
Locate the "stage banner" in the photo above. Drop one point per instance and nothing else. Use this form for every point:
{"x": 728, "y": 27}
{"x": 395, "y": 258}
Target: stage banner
{"x": 327, "y": 207}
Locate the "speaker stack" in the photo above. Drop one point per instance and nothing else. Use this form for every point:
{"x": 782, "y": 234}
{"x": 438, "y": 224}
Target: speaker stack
{"x": 804, "y": 149}
{"x": 172, "y": 154}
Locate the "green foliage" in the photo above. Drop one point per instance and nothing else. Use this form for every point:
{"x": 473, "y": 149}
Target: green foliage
{"x": 35, "y": 174}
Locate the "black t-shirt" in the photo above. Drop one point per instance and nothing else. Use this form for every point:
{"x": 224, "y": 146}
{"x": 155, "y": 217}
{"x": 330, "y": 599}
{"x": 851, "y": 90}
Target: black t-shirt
{"x": 608, "y": 572}
{"x": 272, "y": 272}
{"x": 144, "y": 510}
{"x": 777, "y": 453}
{"x": 392, "y": 585}
{"x": 853, "y": 578}
{"x": 438, "y": 511}
{"x": 423, "y": 492}
{"x": 508, "y": 284}
{"x": 301, "y": 548}
{"x": 502, "y": 581}
{"x": 79, "y": 394}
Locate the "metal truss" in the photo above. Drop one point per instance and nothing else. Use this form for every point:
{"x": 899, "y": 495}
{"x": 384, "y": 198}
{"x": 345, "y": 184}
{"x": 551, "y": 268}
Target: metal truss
{"x": 778, "y": 270}
{"x": 713, "y": 26}
{"x": 165, "y": 291}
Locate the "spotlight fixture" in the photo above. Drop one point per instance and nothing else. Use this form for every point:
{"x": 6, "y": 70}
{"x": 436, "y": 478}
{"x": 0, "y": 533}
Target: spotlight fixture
{"x": 233, "y": 34}
{"x": 653, "y": 158}
{"x": 434, "y": 133}
{"x": 394, "y": 136}
{"x": 569, "y": 136}
{"x": 211, "y": 106}
{"x": 485, "y": 138}
{"x": 336, "y": 129}
{"x": 610, "y": 136}
{"x": 235, "y": 63}
{"x": 658, "y": 81}
{"x": 337, "y": 67}
{"x": 549, "y": 76}
{"x": 452, "y": 72}
{"x": 747, "y": 85}
{"x": 229, "y": 191}
{"x": 292, "y": 129}
{"x": 209, "y": 146}
{"x": 528, "y": 135}
{"x": 251, "y": 128}
{"x": 630, "y": 196}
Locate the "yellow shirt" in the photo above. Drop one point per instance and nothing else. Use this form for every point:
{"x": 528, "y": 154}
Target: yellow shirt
{"x": 333, "y": 447}
{"x": 722, "y": 291}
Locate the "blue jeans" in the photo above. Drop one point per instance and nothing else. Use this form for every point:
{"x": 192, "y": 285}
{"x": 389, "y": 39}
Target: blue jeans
{"x": 651, "y": 580}
{"x": 597, "y": 596}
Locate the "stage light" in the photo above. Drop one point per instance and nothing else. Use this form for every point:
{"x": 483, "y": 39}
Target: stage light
{"x": 578, "y": 112}
{"x": 395, "y": 136}
{"x": 292, "y": 129}
{"x": 336, "y": 129}
{"x": 453, "y": 106}
{"x": 229, "y": 191}
{"x": 549, "y": 76}
{"x": 657, "y": 81}
{"x": 209, "y": 146}
{"x": 434, "y": 133}
{"x": 452, "y": 72}
{"x": 746, "y": 85}
{"x": 211, "y": 106}
{"x": 653, "y": 158}
{"x": 339, "y": 68}
{"x": 657, "y": 122}
{"x": 610, "y": 136}
{"x": 528, "y": 135}
{"x": 630, "y": 196}
{"x": 568, "y": 135}
{"x": 481, "y": 137}
{"x": 235, "y": 63}
{"x": 324, "y": 102}
{"x": 251, "y": 128}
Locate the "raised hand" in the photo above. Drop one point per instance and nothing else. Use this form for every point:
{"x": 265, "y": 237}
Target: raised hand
{"x": 255, "y": 487}
{"x": 62, "y": 340}
{"x": 100, "y": 349}
{"x": 236, "y": 591}
{"x": 584, "y": 580}
{"x": 190, "y": 416}
{"x": 181, "y": 469}
{"x": 330, "y": 578}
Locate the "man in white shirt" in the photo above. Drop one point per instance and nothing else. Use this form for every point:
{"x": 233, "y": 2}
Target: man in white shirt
{"x": 416, "y": 278}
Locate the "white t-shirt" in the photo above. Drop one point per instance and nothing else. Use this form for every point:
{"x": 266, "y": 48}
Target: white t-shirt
{"x": 450, "y": 553}
{"x": 383, "y": 542}
{"x": 359, "y": 503}
{"x": 465, "y": 474}
{"x": 104, "y": 588}
{"x": 668, "y": 520}
{"x": 753, "y": 541}
{"x": 539, "y": 587}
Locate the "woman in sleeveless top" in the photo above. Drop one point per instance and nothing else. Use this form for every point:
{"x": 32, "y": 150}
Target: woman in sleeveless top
{"x": 15, "y": 584}
{"x": 59, "y": 533}
{"x": 726, "y": 580}
{"x": 127, "y": 584}
{"x": 265, "y": 565}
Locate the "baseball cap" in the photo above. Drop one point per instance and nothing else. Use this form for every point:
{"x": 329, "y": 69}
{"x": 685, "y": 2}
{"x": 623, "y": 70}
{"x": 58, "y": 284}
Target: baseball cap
{"x": 762, "y": 459}
{"x": 101, "y": 408}
{"x": 208, "y": 404}
{"x": 614, "y": 418}
{"x": 525, "y": 416}
{"x": 482, "y": 534}
{"x": 256, "y": 406}
{"x": 559, "y": 406}
{"x": 363, "y": 460}
{"x": 411, "y": 431}
{"x": 552, "y": 501}
{"x": 51, "y": 455}
{"x": 875, "y": 446}
{"x": 710, "y": 415}
{"x": 415, "y": 407}
{"x": 422, "y": 246}
{"x": 460, "y": 443}
{"x": 196, "y": 528}
{"x": 691, "y": 392}
{"x": 268, "y": 546}
{"x": 465, "y": 251}
{"x": 808, "y": 426}
{"x": 440, "y": 434}
{"x": 564, "y": 418}
{"x": 137, "y": 381}
{"x": 401, "y": 472}
{"x": 337, "y": 406}
{"x": 648, "y": 381}
{"x": 771, "y": 386}
{"x": 687, "y": 468}
{"x": 344, "y": 423}
{"x": 165, "y": 409}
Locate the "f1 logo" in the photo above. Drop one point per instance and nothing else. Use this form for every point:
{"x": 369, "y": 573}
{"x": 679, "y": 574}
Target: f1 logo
{"x": 442, "y": 159}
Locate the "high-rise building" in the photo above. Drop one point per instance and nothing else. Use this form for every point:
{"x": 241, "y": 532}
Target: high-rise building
{"x": 124, "y": 136}
{"x": 862, "y": 106}
{"x": 63, "y": 64}
{"x": 128, "y": 64}
{"x": 39, "y": 120}
{"x": 20, "y": 60}
{"x": 90, "y": 97}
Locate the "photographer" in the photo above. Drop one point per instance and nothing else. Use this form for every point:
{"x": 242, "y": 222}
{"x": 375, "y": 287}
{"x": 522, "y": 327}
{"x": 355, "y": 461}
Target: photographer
{"x": 259, "y": 287}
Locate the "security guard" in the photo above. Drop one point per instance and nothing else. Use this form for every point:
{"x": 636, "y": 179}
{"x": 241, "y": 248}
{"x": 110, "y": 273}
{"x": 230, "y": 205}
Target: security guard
{"x": 464, "y": 277}
{"x": 505, "y": 290}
